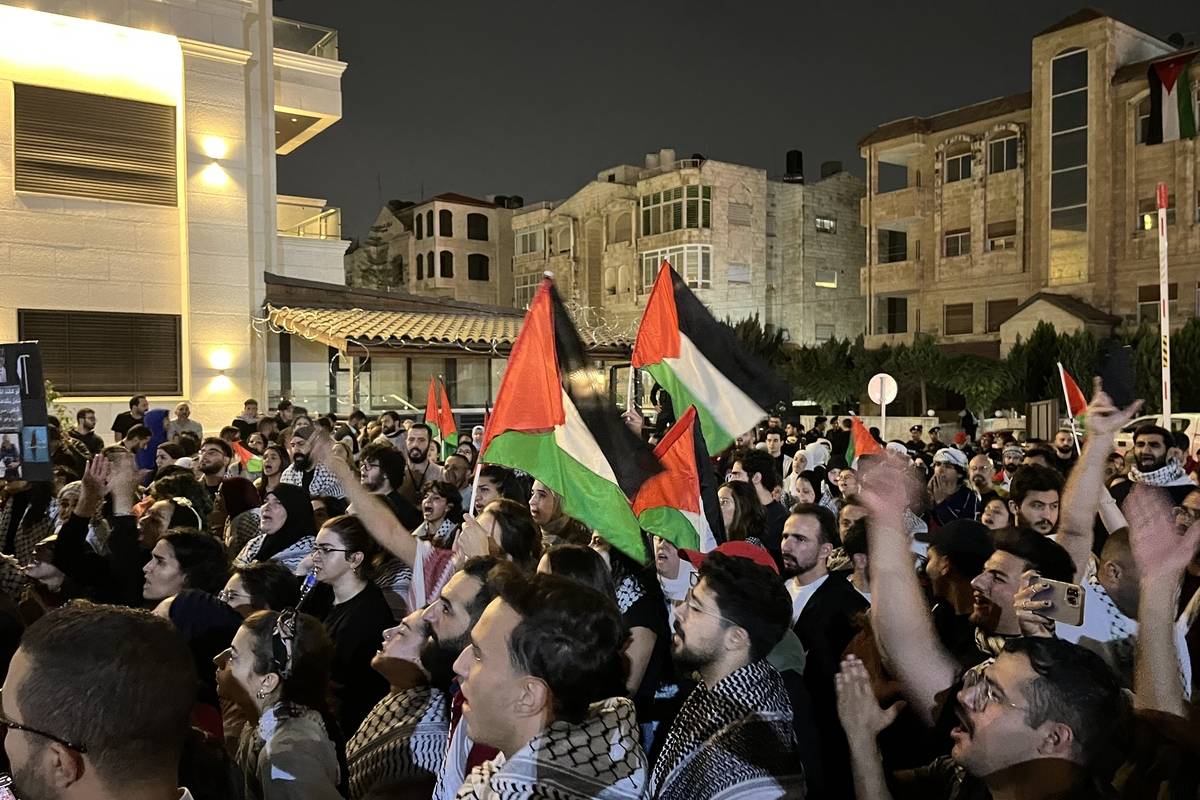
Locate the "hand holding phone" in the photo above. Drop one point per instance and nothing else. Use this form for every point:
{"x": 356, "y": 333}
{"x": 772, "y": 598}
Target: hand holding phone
{"x": 1053, "y": 600}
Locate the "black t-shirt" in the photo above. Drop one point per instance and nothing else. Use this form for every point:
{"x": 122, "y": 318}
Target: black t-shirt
{"x": 90, "y": 440}
{"x": 356, "y": 627}
{"x": 408, "y": 514}
{"x": 124, "y": 421}
{"x": 650, "y": 612}
{"x": 773, "y": 530}
{"x": 957, "y": 634}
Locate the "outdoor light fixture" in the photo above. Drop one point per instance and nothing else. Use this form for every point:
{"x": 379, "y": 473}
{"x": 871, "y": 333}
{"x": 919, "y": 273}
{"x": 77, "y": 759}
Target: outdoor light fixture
{"x": 216, "y": 148}
{"x": 220, "y": 360}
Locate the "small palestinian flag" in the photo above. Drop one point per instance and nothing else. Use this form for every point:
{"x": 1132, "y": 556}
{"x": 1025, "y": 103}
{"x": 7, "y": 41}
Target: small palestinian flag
{"x": 1076, "y": 403}
{"x": 552, "y": 422}
{"x": 250, "y": 462}
{"x": 446, "y": 424}
{"x": 862, "y": 443}
{"x": 699, "y": 362}
{"x": 432, "y": 409}
{"x": 680, "y": 503}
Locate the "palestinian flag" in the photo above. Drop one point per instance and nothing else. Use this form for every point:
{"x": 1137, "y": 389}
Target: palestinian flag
{"x": 862, "y": 443}
{"x": 680, "y": 503}
{"x": 446, "y": 424}
{"x": 1172, "y": 111}
{"x": 1076, "y": 402}
{"x": 432, "y": 409}
{"x": 250, "y": 462}
{"x": 552, "y": 422}
{"x": 699, "y": 362}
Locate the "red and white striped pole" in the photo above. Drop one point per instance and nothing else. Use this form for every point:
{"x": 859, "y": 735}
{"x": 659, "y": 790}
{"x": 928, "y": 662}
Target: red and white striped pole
{"x": 1164, "y": 306}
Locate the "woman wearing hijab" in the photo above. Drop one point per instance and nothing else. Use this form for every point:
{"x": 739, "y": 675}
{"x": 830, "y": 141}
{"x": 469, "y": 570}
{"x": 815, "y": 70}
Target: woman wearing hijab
{"x": 239, "y": 500}
{"x": 288, "y": 530}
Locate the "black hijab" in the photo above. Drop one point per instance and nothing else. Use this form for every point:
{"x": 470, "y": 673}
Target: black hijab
{"x": 299, "y": 523}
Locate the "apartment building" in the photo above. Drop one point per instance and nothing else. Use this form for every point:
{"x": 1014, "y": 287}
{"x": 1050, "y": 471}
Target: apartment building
{"x": 747, "y": 243}
{"x": 983, "y": 220}
{"x": 138, "y": 204}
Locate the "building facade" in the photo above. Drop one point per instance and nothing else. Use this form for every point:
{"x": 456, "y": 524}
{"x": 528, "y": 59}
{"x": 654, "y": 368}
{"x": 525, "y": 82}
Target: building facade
{"x": 747, "y": 244}
{"x": 138, "y": 202}
{"x": 974, "y": 215}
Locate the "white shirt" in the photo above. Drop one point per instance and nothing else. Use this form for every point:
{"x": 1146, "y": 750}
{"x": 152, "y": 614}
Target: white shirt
{"x": 802, "y": 594}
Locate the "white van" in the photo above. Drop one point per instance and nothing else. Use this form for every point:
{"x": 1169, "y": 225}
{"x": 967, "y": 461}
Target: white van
{"x": 1188, "y": 422}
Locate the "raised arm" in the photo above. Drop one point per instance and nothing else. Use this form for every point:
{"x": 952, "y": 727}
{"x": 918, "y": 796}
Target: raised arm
{"x": 1085, "y": 489}
{"x": 899, "y": 614}
{"x": 863, "y": 720}
{"x": 1161, "y": 555}
{"x": 374, "y": 512}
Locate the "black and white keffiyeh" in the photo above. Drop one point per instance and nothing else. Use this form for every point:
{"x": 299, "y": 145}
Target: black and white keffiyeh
{"x": 402, "y": 740}
{"x": 1170, "y": 475}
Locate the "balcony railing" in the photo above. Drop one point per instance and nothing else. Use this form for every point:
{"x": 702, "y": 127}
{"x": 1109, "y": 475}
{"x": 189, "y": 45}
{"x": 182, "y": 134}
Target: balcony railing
{"x": 304, "y": 37}
{"x": 309, "y": 222}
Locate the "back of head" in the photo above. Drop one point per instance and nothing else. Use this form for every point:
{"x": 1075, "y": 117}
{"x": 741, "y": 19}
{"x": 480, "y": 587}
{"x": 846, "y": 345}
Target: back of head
{"x": 201, "y": 558}
{"x": 183, "y": 484}
{"x": 116, "y": 681}
{"x": 1034, "y": 478}
{"x": 855, "y": 540}
{"x": 517, "y": 533}
{"x": 570, "y": 636}
{"x": 1041, "y": 553}
{"x": 750, "y": 596}
{"x": 238, "y": 495}
{"x": 583, "y": 564}
{"x": 270, "y": 585}
{"x": 311, "y": 657}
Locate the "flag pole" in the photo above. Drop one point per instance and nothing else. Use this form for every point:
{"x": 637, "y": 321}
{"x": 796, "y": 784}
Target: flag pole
{"x": 1164, "y": 306}
{"x": 1062, "y": 380}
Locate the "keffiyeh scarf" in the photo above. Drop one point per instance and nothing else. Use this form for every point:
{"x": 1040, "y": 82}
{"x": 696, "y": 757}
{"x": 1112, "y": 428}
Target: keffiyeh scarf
{"x": 1170, "y": 475}
{"x": 599, "y": 758}
{"x": 402, "y": 739}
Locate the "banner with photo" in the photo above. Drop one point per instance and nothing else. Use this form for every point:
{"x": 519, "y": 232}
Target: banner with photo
{"x": 24, "y": 441}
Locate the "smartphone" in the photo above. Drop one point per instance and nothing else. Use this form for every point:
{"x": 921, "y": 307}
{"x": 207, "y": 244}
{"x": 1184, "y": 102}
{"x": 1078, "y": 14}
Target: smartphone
{"x": 1116, "y": 372}
{"x": 1066, "y": 601}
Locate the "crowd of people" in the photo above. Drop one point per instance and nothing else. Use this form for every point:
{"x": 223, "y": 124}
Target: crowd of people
{"x": 307, "y": 607}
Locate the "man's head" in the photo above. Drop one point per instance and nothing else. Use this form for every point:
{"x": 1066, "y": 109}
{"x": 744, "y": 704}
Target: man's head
{"x": 1017, "y": 550}
{"x": 852, "y": 511}
{"x": 1118, "y": 572}
{"x": 109, "y": 691}
{"x": 914, "y": 433}
{"x": 250, "y": 408}
{"x": 1042, "y": 698}
{"x": 1033, "y": 498}
{"x": 389, "y": 423}
{"x": 735, "y": 614}
{"x": 1150, "y": 445}
{"x": 380, "y": 468}
{"x": 1012, "y": 455}
{"x": 854, "y": 542}
{"x": 215, "y": 455}
{"x": 138, "y": 405}
{"x": 284, "y": 410}
{"x": 457, "y": 470}
{"x": 85, "y": 420}
{"x": 950, "y": 464}
{"x": 416, "y": 443}
{"x": 757, "y": 467}
{"x": 298, "y": 449}
{"x": 1041, "y": 455}
{"x": 544, "y": 650}
{"x": 1064, "y": 443}
{"x": 809, "y": 536}
{"x": 980, "y": 470}
{"x": 452, "y": 615}
{"x": 958, "y": 552}
{"x": 935, "y": 434}
{"x": 136, "y": 438}
{"x": 774, "y": 440}
{"x": 847, "y": 482}
{"x": 1188, "y": 512}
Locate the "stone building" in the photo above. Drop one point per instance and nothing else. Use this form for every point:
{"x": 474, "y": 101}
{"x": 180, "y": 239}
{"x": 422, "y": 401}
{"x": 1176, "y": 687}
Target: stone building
{"x": 746, "y": 243}
{"x": 138, "y": 204}
{"x": 985, "y": 219}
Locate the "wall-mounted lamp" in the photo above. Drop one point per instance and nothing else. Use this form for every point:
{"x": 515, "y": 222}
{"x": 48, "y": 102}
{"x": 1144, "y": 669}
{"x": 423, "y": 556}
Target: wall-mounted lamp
{"x": 215, "y": 148}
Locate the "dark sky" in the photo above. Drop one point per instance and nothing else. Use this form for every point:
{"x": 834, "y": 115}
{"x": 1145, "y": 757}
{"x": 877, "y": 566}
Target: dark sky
{"x": 534, "y": 98}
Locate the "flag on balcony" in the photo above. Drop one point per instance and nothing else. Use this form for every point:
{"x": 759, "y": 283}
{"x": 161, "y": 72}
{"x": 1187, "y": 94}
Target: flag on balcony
{"x": 446, "y": 424}
{"x": 680, "y": 503}
{"x": 1172, "y": 109}
{"x": 862, "y": 443}
{"x": 700, "y": 363}
{"x": 552, "y": 421}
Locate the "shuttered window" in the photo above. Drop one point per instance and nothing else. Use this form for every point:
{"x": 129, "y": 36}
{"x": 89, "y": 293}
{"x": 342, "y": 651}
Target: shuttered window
{"x": 94, "y": 352}
{"x": 88, "y": 145}
{"x": 739, "y": 213}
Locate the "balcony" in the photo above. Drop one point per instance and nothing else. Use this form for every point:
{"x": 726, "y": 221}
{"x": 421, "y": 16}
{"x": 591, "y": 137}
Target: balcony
{"x": 309, "y": 239}
{"x": 308, "y": 218}
{"x": 901, "y": 205}
{"x": 897, "y": 276}
{"x": 308, "y": 82}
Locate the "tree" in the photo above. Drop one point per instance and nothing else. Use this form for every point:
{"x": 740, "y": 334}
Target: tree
{"x": 918, "y": 363}
{"x": 1185, "y": 367}
{"x": 770, "y": 346}
{"x": 980, "y": 380}
{"x": 826, "y": 374}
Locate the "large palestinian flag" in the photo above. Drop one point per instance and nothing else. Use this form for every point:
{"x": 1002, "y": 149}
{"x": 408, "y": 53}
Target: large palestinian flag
{"x": 680, "y": 503}
{"x": 699, "y": 362}
{"x": 552, "y": 422}
{"x": 1172, "y": 110}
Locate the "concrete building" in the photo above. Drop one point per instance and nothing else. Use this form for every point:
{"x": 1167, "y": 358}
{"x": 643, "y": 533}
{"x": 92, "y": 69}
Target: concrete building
{"x": 450, "y": 246}
{"x": 138, "y": 204}
{"x": 983, "y": 220}
{"x": 748, "y": 244}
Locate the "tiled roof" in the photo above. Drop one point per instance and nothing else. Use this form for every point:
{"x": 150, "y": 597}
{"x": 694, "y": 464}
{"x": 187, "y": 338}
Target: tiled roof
{"x": 1073, "y": 306}
{"x": 948, "y": 119}
{"x": 336, "y": 326}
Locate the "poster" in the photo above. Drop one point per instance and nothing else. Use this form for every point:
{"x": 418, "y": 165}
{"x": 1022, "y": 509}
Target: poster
{"x": 24, "y": 440}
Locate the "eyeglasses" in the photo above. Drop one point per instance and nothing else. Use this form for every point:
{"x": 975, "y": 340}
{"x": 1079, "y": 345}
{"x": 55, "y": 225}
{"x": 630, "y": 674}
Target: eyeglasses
{"x": 689, "y": 601}
{"x": 282, "y": 639}
{"x": 229, "y": 595}
{"x": 325, "y": 549}
{"x": 983, "y": 693}
{"x": 9, "y": 724}
{"x": 1193, "y": 514}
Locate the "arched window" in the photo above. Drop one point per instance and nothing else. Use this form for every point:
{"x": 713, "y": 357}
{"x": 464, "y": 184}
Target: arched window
{"x": 477, "y": 267}
{"x": 432, "y": 265}
{"x": 447, "y": 264}
{"x": 445, "y": 223}
{"x": 610, "y": 281}
{"x": 958, "y": 162}
{"x": 420, "y": 265}
{"x": 420, "y": 226}
{"x": 622, "y": 280}
{"x": 429, "y": 222}
{"x": 620, "y": 228}
{"x": 477, "y": 227}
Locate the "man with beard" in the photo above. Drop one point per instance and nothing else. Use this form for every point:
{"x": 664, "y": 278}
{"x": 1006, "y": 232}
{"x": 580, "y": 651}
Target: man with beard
{"x": 420, "y": 469}
{"x": 391, "y": 431}
{"x": 1152, "y": 467}
{"x": 96, "y": 703}
{"x": 1011, "y": 457}
{"x": 956, "y": 554}
{"x": 457, "y": 470}
{"x": 979, "y": 473}
{"x": 85, "y": 430}
{"x": 381, "y": 470}
{"x": 1064, "y": 450}
{"x": 213, "y": 459}
{"x": 733, "y": 736}
{"x": 314, "y": 478}
{"x": 398, "y": 748}
{"x": 1034, "y": 498}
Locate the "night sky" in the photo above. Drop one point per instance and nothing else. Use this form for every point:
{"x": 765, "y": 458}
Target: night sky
{"x": 535, "y": 98}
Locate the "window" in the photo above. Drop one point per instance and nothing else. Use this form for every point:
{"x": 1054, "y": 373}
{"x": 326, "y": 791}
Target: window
{"x": 1147, "y": 297}
{"x": 827, "y": 278}
{"x": 446, "y": 223}
{"x": 738, "y": 273}
{"x": 892, "y": 316}
{"x": 699, "y": 206}
{"x": 447, "y": 264}
{"x": 958, "y": 243}
{"x": 1141, "y": 121}
{"x": 420, "y": 266}
{"x": 825, "y": 224}
{"x": 998, "y": 312}
{"x": 958, "y": 319}
{"x": 740, "y": 213}
{"x": 1147, "y": 215}
{"x": 1002, "y": 154}
{"x": 89, "y": 145}
{"x": 958, "y": 167}
{"x": 477, "y": 227}
{"x": 429, "y": 223}
{"x": 431, "y": 265}
{"x": 693, "y": 262}
{"x": 1001, "y": 235}
{"x": 104, "y": 352}
{"x": 529, "y": 241}
{"x": 524, "y": 288}
{"x": 893, "y": 246}
{"x": 562, "y": 238}
{"x": 824, "y": 333}
{"x": 610, "y": 281}
{"x": 664, "y": 211}
{"x": 477, "y": 267}
{"x": 420, "y": 226}
{"x": 620, "y": 228}
{"x": 1068, "y": 163}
